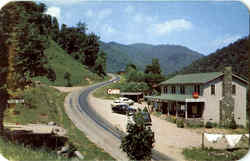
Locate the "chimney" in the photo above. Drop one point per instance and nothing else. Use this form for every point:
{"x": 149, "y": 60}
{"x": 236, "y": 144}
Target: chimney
{"x": 227, "y": 82}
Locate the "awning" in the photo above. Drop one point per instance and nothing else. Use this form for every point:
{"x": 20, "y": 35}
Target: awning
{"x": 174, "y": 97}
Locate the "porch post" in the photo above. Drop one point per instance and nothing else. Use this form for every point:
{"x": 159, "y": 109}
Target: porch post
{"x": 176, "y": 109}
{"x": 168, "y": 108}
{"x": 186, "y": 114}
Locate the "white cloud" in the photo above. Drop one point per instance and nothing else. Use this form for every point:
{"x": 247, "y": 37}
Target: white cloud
{"x": 54, "y": 11}
{"x": 171, "y": 26}
{"x": 104, "y": 13}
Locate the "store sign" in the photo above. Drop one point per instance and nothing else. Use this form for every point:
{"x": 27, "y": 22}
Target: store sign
{"x": 113, "y": 91}
{"x": 15, "y": 101}
{"x": 195, "y": 95}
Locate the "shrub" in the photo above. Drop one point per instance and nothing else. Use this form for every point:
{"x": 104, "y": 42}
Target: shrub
{"x": 195, "y": 125}
{"x": 180, "y": 123}
{"x": 171, "y": 119}
{"x": 209, "y": 125}
{"x": 232, "y": 124}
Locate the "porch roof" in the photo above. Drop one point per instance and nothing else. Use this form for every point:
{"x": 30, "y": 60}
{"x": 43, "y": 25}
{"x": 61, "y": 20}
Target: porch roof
{"x": 175, "y": 97}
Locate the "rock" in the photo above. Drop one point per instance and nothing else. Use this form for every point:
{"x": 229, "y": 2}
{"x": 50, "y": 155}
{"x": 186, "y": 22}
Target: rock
{"x": 51, "y": 123}
{"x": 79, "y": 155}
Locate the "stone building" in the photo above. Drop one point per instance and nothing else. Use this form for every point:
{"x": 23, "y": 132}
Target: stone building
{"x": 215, "y": 97}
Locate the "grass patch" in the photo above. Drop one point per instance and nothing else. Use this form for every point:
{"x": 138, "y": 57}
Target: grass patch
{"x": 62, "y": 62}
{"x": 210, "y": 154}
{"x": 44, "y": 104}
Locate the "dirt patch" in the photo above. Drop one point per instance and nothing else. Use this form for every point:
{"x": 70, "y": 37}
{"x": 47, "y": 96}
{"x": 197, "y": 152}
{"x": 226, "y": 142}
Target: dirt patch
{"x": 68, "y": 89}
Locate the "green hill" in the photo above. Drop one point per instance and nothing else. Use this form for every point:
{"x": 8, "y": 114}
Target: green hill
{"x": 62, "y": 62}
{"x": 235, "y": 55}
{"x": 171, "y": 57}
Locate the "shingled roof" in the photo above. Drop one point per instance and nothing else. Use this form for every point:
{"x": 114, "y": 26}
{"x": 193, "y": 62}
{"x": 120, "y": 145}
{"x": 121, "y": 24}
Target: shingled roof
{"x": 196, "y": 78}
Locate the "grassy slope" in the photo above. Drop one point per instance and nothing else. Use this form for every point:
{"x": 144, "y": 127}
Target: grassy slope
{"x": 61, "y": 62}
{"x": 47, "y": 104}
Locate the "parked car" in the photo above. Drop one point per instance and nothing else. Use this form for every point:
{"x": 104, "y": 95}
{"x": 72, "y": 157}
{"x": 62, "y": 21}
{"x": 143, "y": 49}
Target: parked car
{"x": 123, "y": 109}
{"x": 116, "y": 102}
{"x": 126, "y": 100}
{"x": 122, "y": 100}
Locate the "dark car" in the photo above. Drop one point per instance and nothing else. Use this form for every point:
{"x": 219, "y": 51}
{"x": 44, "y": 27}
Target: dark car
{"x": 123, "y": 109}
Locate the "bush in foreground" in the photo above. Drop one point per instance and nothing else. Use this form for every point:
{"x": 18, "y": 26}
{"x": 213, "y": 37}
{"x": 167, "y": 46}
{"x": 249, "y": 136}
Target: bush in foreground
{"x": 138, "y": 143}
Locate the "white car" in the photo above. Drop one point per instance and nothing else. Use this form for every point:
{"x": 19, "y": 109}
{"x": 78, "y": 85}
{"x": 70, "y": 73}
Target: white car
{"x": 117, "y": 102}
{"x": 126, "y": 100}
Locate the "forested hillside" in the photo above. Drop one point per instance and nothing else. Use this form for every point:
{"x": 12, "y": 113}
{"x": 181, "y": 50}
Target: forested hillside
{"x": 235, "y": 55}
{"x": 171, "y": 57}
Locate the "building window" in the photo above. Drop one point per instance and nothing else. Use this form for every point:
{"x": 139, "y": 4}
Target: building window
{"x": 197, "y": 88}
{"x": 233, "y": 89}
{"x": 173, "y": 90}
{"x": 182, "y": 90}
{"x": 212, "y": 89}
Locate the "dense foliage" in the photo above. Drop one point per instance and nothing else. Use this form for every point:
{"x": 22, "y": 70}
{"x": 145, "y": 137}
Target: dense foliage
{"x": 139, "y": 81}
{"x": 235, "y": 55}
{"x": 138, "y": 143}
{"x": 25, "y": 38}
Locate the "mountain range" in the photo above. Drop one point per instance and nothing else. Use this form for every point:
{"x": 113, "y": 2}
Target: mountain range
{"x": 171, "y": 57}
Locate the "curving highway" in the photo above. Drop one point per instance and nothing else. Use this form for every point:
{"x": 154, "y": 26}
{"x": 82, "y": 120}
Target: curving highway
{"x": 79, "y": 102}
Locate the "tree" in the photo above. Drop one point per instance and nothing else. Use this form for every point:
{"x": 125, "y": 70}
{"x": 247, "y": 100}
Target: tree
{"x": 100, "y": 64}
{"x": 153, "y": 68}
{"x": 67, "y": 77}
{"x": 130, "y": 66}
{"x": 23, "y": 39}
{"x": 138, "y": 143}
{"x": 91, "y": 49}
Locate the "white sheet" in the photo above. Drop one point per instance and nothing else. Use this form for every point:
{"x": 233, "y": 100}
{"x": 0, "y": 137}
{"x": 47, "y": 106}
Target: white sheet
{"x": 213, "y": 137}
{"x": 233, "y": 139}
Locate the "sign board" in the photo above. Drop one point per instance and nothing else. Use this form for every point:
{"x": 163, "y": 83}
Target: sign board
{"x": 195, "y": 95}
{"x": 113, "y": 91}
{"x": 15, "y": 101}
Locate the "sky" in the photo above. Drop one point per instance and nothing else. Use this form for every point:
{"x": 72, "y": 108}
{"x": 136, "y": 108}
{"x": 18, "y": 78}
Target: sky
{"x": 201, "y": 26}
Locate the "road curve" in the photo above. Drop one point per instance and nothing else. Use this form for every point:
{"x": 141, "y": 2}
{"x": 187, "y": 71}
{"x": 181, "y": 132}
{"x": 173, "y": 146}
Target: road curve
{"x": 78, "y": 105}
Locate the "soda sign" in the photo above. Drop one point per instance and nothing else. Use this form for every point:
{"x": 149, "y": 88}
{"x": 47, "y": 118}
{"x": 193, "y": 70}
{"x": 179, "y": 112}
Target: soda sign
{"x": 113, "y": 91}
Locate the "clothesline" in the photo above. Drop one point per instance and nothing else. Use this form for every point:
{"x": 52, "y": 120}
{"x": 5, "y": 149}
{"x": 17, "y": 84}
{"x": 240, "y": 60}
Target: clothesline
{"x": 232, "y": 139}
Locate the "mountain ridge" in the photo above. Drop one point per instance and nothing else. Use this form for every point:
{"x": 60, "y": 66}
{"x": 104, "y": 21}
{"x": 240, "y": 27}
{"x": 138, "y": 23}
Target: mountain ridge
{"x": 171, "y": 57}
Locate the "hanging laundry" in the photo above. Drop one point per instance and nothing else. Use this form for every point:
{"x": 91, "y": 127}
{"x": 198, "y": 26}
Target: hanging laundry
{"x": 233, "y": 139}
{"x": 213, "y": 137}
